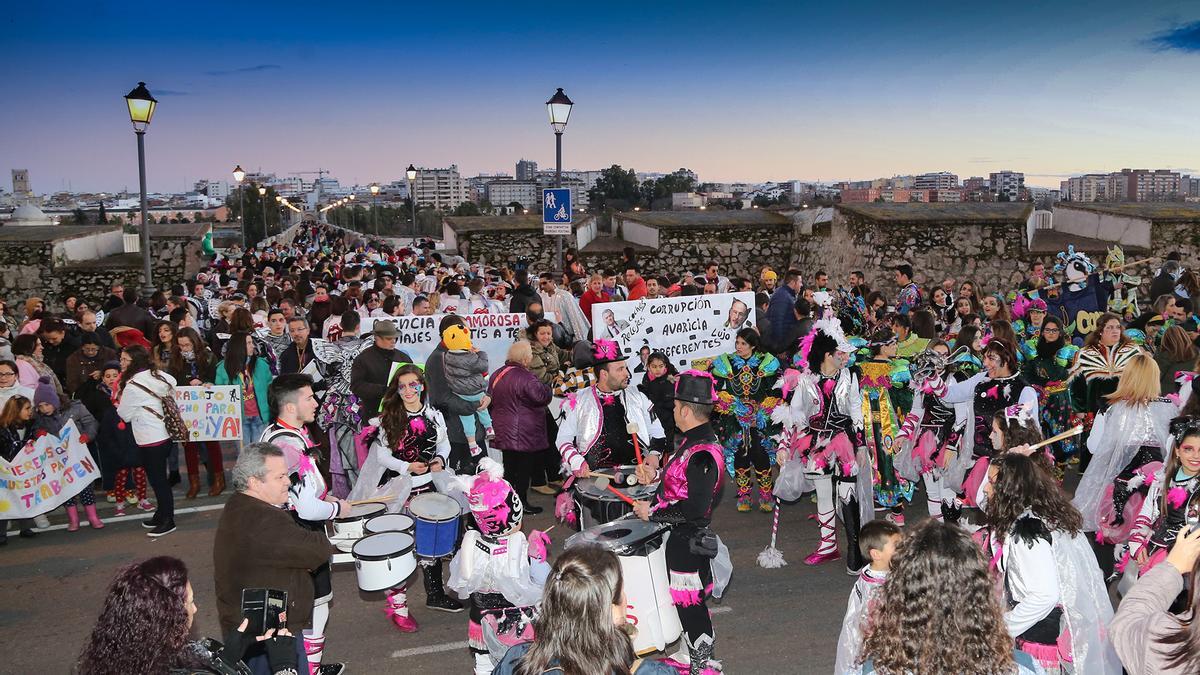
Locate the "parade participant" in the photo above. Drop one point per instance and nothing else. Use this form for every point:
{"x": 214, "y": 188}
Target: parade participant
{"x": 931, "y": 433}
{"x": 909, "y": 297}
{"x": 497, "y": 567}
{"x": 1059, "y": 607}
{"x": 1047, "y": 362}
{"x": 293, "y": 405}
{"x": 1028, "y": 316}
{"x": 276, "y": 333}
{"x": 466, "y": 376}
{"x": 1173, "y": 494}
{"x": 880, "y": 427}
{"x": 745, "y": 400}
{"x": 1123, "y": 301}
{"x": 1095, "y": 373}
{"x": 408, "y": 438}
{"x": 908, "y": 343}
{"x": 1080, "y": 296}
{"x": 914, "y": 631}
{"x": 691, "y": 480}
{"x": 1129, "y": 443}
{"x": 823, "y": 429}
{"x": 878, "y": 540}
{"x": 341, "y": 412}
{"x": 300, "y": 352}
{"x": 984, "y": 395}
{"x": 595, "y": 433}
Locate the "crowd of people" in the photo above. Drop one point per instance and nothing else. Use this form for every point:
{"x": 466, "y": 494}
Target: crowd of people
{"x": 984, "y": 401}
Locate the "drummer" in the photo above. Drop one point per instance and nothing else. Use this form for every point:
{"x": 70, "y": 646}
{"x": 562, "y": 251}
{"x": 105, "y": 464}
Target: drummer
{"x": 292, "y": 401}
{"x": 594, "y": 434}
{"x": 410, "y": 439}
{"x": 690, "y": 482}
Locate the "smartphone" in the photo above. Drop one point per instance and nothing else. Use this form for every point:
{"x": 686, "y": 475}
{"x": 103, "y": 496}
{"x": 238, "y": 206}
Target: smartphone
{"x": 263, "y": 607}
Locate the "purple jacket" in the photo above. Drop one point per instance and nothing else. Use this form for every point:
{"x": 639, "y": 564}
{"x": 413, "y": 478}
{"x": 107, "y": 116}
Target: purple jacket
{"x": 518, "y": 409}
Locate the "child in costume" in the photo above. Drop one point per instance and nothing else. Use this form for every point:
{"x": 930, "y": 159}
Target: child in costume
{"x": 877, "y": 540}
{"x": 1172, "y": 496}
{"x": 466, "y": 375}
{"x": 501, "y": 570}
{"x": 931, "y": 433}
{"x": 1059, "y": 610}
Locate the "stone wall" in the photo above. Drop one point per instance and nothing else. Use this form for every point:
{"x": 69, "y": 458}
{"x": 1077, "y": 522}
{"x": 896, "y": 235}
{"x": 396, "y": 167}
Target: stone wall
{"x": 740, "y": 251}
{"x": 27, "y": 269}
{"x": 1177, "y": 236}
{"x": 995, "y": 255}
{"x": 503, "y": 247}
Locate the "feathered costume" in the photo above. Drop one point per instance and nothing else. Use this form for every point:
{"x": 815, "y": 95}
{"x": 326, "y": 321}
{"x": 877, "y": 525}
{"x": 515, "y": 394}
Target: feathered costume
{"x": 745, "y": 401}
{"x": 340, "y": 411}
{"x": 931, "y": 433}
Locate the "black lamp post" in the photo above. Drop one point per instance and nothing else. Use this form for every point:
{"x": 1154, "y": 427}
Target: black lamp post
{"x": 262, "y": 198}
{"x": 239, "y": 175}
{"x": 141, "y": 110}
{"x": 559, "y": 107}
{"x": 375, "y": 207}
{"x": 411, "y": 172}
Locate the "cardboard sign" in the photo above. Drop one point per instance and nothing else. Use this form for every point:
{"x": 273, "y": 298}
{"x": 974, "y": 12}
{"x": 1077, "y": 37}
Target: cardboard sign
{"x": 211, "y": 413}
{"x": 48, "y": 471}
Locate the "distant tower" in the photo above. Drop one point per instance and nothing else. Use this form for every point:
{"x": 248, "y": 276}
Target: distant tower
{"x": 21, "y": 191}
{"x": 526, "y": 170}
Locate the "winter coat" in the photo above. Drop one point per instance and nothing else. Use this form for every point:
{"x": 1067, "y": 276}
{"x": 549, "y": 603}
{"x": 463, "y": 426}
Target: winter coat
{"x": 369, "y": 376}
{"x": 74, "y": 410}
{"x": 143, "y": 409}
{"x": 518, "y": 409}
{"x": 80, "y": 367}
{"x": 548, "y": 362}
{"x": 466, "y": 371}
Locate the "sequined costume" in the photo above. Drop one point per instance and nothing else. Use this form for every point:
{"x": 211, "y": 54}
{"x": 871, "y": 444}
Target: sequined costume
{"x": 1048, "y": 372}
{"x": 931, "y": 434}
{"x": 1154, "y": 529}
{"x": 881, "y": 430}
{"x": 745, "y": 400}
{"x": 983, "y": 397}
{"x": 340, "y": 412}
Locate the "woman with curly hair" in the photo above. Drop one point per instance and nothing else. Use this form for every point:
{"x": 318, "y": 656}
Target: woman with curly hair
{"x": 145, "y": 622}
{"x": 938, "y": 611}
{"x": 1059, "y": 606}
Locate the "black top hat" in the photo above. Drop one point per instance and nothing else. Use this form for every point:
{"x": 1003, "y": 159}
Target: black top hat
{"x": 590, "y": 354}
{"x": 695, "y": 386}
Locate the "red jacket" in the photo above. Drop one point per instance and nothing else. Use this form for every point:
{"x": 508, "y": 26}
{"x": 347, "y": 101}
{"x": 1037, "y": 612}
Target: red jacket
{"x": 588, "y": 299}
{"x": 638, "y": 290}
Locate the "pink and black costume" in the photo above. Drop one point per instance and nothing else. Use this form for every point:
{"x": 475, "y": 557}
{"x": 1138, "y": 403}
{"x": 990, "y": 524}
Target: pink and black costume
{"x": 931, "y": 433}
{"x": 691, "y": 480}
{"x": 498, "y": 568}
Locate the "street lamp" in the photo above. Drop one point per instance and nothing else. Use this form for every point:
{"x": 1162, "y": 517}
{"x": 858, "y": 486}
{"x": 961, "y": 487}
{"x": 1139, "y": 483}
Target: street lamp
{"x": 279, "y": 201}
{"x": 239, "y": 175}
{"x": 375, "y": 207}
{"x": 262, "y": 197}
{"x": 141, "y": 110}
{"x": 559, "y": 107}
{"x": 411, "y": 172}
{"x": 353, "y": 224}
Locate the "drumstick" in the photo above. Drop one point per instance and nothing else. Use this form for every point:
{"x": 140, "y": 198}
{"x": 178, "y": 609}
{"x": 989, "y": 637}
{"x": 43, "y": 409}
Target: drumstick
{"x": 632, "y": 428}
{"x": 385, "y": 498}
{"x": 604, "y": 484}
{"x": 1074, "y": 431}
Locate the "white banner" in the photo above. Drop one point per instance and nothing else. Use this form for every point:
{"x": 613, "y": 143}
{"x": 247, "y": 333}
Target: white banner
{"x": 212, "y": 413}
{"x": 48, "y": 471}
{"x": 490, "y": 333}
{"x": 685, "y": 328}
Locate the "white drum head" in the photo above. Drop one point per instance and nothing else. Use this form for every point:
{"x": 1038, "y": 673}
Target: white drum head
{"x": 434, "y": 507}
{"x": 344, "y": 545}
{"x": 382, "y": 545}
{"x": 389, "y": 522}
{"x": 363, "y": 511}
{"x": 616, "y": 535}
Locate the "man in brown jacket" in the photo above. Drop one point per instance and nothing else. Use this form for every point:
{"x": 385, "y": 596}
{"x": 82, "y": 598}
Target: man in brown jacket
{"x": 259, "y": 545}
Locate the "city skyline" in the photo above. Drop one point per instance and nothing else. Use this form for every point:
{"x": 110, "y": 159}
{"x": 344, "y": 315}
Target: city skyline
{"x": 760, "y": 94}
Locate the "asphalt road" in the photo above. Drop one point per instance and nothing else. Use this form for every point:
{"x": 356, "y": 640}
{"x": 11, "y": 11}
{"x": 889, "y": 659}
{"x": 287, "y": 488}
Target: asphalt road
{"x": 770, "y": 621}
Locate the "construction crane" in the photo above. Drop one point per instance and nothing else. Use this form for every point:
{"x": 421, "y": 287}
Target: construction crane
{"x": 320, "y": 174}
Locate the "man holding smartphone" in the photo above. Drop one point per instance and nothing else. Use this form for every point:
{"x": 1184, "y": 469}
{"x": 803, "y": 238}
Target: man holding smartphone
{"x": 259, "y": 545}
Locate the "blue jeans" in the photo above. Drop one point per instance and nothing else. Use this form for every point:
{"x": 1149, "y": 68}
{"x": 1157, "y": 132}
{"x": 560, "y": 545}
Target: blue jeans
{"x": 252, "y": 428}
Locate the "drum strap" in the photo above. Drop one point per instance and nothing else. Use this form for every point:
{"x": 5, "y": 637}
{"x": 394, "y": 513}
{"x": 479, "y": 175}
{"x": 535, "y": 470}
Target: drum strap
{"x": 635, "y": 665}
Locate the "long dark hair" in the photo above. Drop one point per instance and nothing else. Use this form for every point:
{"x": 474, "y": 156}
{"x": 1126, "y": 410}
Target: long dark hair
{"x": 238, "y": 357}
{"x": 1093, "y": 338}
{"x": 966, "y": 338}
{"x": 393, "y": 418}
{"x": 919, "y": 627}
{"x": 139, "y": 361}
{"x": 575, "y": 629}
{"x": 1048, "y": 349}
{"x": 1021, "y": 485}
{"x": 203, "y": 356}
{"x": 143, "y": 625}
{"x": 1171, "y": 466}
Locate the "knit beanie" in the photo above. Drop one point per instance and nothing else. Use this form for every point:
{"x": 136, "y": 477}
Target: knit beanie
{"x": 45, "y": 393}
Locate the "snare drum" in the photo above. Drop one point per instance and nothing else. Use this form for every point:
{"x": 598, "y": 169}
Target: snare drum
{"x": 343, "y": 555}
{"x": 597, "y": 507}
{"x": 640, "y": 547}
{"x": 383, "y": 560}
{"x": 389, "y": 522}
{"x": 437, "y": 517}
{"x": 349, "y": 526}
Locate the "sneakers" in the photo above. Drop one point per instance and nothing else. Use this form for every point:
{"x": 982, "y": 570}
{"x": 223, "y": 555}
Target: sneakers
{"x": 131, "y": 499}
{"x": 162, "y": 529}
{"x": 150, "y": 523}
{"x": 444, "y": 603}
{"x": 110, "y": 498}
{"x": 896, "y": 518}
{"x": 120, "y": 509}
{"x": 145, "y": 505}
{"x": 533, "y": 510}
{"x": 489, "y": 433}
{"x": 41, "y": 522}
{"x": 474, "y": 449}
{"x": 331, "y": 669}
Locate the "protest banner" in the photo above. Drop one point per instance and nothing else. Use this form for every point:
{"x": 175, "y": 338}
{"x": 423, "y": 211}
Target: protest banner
{"x": 48, "y": 471}
{"x": 490, "y": 333}
{"x": 685, "y": 328}
{"x": 211, "y": 413}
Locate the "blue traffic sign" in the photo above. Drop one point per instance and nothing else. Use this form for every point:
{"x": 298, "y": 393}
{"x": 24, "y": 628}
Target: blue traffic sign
{"x": 556, "y": 206}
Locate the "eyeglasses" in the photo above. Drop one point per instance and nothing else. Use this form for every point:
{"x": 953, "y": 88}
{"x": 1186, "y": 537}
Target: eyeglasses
{"x": 1049, "y": 331}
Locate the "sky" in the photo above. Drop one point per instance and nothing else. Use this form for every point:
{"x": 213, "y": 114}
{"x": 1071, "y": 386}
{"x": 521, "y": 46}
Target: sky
{"x": 744, "y": 91}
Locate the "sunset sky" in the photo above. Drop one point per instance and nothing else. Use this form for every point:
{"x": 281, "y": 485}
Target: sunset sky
{"x": 735, "y": 91}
